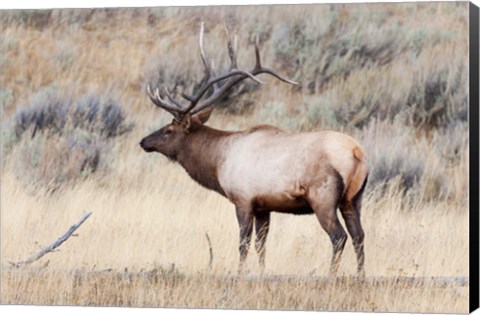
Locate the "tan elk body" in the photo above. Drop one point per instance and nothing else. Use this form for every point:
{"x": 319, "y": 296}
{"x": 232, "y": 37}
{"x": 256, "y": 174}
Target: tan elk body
{"x": 265, "y": 169}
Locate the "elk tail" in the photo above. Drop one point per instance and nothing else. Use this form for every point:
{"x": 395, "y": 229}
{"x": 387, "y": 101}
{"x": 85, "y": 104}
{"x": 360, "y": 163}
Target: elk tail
{"x": 358, "y": 154}
{"x": 359, "y": 175}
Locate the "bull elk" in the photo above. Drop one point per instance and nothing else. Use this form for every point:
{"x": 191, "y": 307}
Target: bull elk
{"x": 264, "y": 168}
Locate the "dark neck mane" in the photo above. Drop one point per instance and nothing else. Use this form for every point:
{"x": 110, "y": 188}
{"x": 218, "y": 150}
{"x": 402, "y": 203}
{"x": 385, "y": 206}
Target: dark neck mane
{"x": 201, "y": 156}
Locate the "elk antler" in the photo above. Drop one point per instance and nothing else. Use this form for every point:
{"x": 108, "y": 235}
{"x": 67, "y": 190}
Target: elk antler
{"x": 234, "y": 76}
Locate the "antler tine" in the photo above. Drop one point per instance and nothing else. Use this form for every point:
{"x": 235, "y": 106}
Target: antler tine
{"x": 232, "y": 49}
{"x": 187, "y": 97}
{"x": 158, "y": 100}
{"x": 258, "y": 64}
{"x": 174, "y": 101}
{"x": 208, "y": 69}
{"x": 215, "y": 85}
{"x": 276, "y": 75}
{"x": 161, "y": 101}
{"x": 260, "y": 69}
{"x": 153, "y": 96}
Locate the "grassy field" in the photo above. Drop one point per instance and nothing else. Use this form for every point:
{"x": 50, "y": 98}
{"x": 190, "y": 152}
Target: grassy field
{"x": 395, "y": 76}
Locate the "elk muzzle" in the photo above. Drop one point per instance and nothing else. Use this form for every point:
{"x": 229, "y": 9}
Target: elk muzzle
{"x": 145, "y": 146}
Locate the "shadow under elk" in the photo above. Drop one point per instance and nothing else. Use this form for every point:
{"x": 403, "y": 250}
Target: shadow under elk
{"x": 264, "y": 168}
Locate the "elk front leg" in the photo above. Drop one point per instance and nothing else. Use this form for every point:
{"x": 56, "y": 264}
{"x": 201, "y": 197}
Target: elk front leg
{"x": 262, "y": 223}
{"x": 245, "y": 222}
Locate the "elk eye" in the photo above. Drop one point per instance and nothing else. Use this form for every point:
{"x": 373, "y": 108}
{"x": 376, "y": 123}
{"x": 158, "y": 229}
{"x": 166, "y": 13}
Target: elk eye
{"x": 168, "y": 131}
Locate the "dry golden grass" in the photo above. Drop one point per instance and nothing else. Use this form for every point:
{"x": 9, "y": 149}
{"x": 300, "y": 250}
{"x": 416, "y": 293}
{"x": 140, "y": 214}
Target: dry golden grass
{"x": 149, "y": 216}
{"x": 200, "y": 291}
{"x": 162, "y": 220}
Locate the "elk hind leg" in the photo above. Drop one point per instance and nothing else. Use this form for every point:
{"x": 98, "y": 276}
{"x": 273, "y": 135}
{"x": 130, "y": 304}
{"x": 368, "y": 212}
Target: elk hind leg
{"x": 338, "y": 237}
{"x": 354, "y": 227}
{"x": 351, "y": 214}
{"x": 324, "y": 202}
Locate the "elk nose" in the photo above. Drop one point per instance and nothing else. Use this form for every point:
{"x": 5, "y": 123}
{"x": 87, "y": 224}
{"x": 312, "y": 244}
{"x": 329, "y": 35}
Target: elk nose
{"x": 144, "y": 146}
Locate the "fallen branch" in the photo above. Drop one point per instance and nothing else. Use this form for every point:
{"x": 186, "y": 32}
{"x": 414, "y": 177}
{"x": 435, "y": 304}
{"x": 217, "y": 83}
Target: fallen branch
{"x": 210, "y": 251}
{"x": 54, "y": 245}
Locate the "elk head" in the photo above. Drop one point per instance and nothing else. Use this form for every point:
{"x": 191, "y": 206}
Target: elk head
{"x": 191, "y": 115}
{"x": 169, "y": 138}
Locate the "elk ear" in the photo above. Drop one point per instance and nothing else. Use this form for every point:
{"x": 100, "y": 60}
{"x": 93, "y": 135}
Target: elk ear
{"x": 186, "y": 123}
{"x": 204, "y": 115}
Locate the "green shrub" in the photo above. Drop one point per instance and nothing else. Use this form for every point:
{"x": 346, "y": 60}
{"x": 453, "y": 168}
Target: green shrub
{"x": 277, "y": 114}
{"x": 318, "y": 114}
{"x": 388, "y": 159}
{"x": 439, "y": 98}
{"x": 446, "y": 175}
{"x": 60, "y": 140}
{"x": 314, "y": 113}
{"x": 450, "y": 143}
{"x": 317, "y": 54}
{"x": 50, "y": 160}
{"x": 48, "y": 111}
{"x": 32, "y": 18}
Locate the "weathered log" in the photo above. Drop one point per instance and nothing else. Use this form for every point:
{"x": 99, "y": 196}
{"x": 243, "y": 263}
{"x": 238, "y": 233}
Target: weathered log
{"x": 54, "y": 245}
